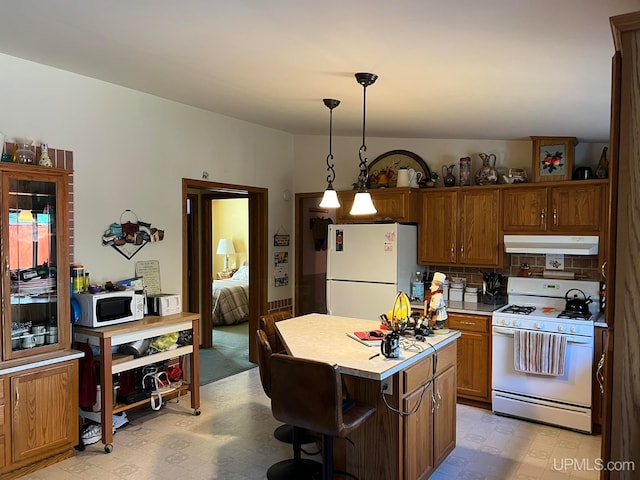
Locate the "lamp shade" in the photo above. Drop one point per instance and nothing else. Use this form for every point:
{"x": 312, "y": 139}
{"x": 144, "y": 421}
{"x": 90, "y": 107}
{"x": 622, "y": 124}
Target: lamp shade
{"x": 363, "y": 204}
{"x": 225, "y": 247}
{"x": 330, "y": 199}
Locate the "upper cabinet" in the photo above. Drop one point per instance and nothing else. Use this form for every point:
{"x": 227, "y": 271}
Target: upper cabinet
{"x": 393, "y": 204}
{"x": 460, "y": 226}
{"x": 572, "y": 208}
{"x": 35, "y": 260}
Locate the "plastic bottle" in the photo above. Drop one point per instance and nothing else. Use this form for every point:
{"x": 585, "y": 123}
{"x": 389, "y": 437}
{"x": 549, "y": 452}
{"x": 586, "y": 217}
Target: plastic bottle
{"x": 417, "y": 287}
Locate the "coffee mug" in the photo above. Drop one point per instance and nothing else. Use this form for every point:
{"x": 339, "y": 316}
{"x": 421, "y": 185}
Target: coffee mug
{"x": 38, "y": 329}
{"x": 390, "y": 345}
{"x": 40, "y": 339}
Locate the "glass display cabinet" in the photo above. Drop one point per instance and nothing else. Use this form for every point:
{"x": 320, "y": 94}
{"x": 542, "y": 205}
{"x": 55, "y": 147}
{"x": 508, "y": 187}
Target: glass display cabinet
{"x": 35, "y": 260}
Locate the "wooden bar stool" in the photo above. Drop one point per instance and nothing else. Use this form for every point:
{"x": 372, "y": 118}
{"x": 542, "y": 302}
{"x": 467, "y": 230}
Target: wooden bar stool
{"x": 296, "y": 468}
{"x": 308, "y": 394}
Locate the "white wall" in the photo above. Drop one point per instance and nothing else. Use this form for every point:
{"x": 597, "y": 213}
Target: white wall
{"x": 131, "y": 151}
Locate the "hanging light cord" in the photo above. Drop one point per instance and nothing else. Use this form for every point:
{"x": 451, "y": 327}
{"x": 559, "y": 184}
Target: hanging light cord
{"x": 364, "y": 79}
{"x": 332, "y": 173}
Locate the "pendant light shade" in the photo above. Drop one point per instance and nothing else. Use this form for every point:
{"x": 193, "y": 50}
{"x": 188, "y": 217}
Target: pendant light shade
{"x": 330, "y": 197}
{"x": 362, "y": 203}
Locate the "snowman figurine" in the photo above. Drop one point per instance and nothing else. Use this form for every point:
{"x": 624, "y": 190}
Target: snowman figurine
{"x": 437, "y": 308}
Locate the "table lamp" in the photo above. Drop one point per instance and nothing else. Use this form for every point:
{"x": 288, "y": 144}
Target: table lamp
{"x": 225, "y": 247}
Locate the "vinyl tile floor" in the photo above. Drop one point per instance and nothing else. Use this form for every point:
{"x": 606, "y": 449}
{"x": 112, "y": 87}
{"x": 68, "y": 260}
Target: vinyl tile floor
{"x": 233, "y": 439}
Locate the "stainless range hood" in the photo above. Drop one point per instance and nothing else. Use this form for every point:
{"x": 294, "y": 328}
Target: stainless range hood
{"x": 560, "y": 244}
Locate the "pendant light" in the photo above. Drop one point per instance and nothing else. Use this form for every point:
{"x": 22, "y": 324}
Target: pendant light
{"x": 330, "y": 197}
{"x": 362, "y": 203}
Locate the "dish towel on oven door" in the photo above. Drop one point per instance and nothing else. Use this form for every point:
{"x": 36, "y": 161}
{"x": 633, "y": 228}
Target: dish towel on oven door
{"x": 541, "y": 353}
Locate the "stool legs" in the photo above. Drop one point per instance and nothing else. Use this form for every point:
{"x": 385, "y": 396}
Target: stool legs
{"x": 297, "y": 468}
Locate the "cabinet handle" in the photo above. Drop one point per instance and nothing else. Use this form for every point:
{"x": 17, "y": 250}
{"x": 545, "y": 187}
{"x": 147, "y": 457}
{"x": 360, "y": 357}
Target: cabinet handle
{"x": 439, "y": 399}
{"x": 17, "y": 397}
{"x": 599, "y": 375}
{"x": 464, "y": 322}
{"x": 433, "y": 403}
{"x": 603, "y": 270}
{"x": 543, "y": 215}
{"x": 555, "y": 216}
{"x": 462, "y": 249}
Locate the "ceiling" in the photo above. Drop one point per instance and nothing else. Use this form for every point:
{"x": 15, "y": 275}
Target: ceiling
{"x": 466, "y": 69}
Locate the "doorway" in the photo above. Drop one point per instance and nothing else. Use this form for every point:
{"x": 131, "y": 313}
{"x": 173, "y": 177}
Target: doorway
{"x": 197, "y": 255}
{"x": 311, "y": 255}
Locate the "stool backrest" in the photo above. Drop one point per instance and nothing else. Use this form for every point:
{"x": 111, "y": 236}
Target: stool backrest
{"x": 307, "y": 394}
{"x": 264, "y": 361}
{"x": 268, "y": 324}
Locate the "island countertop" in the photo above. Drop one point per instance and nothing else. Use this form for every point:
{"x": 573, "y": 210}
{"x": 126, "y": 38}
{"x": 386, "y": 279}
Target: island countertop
{"x": 324, "y": 338}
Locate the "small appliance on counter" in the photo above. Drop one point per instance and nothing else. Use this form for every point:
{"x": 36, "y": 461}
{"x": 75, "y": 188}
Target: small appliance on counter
{"x": 164, "y": 304}
{"x": 109, "y": 308}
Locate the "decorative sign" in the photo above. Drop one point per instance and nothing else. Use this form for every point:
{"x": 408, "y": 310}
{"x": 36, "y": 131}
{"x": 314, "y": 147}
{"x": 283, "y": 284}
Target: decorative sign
{"x": 281, "y": 269}
{"x": 130, "y": 234}
{"x": 149, "y": 270}
{"x": 281, "y": 238}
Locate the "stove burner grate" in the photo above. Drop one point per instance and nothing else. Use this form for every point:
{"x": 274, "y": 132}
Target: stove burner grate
{"x": 519, "y": 309}
{"x": 573, "y": 315}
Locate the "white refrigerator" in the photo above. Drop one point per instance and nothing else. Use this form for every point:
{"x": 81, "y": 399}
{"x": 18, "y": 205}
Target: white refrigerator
{"x": 367, "y": 265}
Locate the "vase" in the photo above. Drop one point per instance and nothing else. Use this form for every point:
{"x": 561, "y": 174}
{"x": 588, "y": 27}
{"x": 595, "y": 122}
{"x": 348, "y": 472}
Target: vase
{"x": 487, "y": 175}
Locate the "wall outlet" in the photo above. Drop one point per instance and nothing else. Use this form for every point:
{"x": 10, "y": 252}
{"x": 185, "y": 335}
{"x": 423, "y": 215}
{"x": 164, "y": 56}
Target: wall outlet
{"x": 386, "y": 386}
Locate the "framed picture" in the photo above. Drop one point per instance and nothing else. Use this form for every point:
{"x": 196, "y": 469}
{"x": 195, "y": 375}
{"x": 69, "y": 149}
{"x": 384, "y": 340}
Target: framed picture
{"x": 552, "y": 158}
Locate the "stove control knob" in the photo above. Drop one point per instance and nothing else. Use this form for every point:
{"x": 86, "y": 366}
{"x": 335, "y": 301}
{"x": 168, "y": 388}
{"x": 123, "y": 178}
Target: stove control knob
{"x": 515, "y": 323}
{"x": 560, "y": 329}
{"x": 503, "y": 322}
{"x": 573, "y": 330}
{"x": 538, "y": 325}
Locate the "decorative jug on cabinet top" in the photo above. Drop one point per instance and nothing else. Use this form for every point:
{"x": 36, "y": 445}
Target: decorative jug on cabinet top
{"x": 487, "y": 174}
{"x": 447, "y": 175}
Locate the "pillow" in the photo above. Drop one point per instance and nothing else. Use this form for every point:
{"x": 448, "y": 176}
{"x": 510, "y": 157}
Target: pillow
{"x": 242, "y": 274}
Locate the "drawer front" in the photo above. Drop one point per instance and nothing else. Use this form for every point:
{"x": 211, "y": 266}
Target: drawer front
{"x": 417, "y": 375}
{"x": 472, "y": 323}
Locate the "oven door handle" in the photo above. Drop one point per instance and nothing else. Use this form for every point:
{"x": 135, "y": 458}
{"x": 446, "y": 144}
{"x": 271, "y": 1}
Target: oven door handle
{"x": 570, "y": 338}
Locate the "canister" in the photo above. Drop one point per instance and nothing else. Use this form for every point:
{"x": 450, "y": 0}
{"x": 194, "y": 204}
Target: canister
{"x": 456, "y": 293}
{"x": 77, "y": 278}
{"x": 471, "y": 295}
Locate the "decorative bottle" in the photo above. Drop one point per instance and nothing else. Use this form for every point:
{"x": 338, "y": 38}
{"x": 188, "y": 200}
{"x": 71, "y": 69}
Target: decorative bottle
{"x": 44, "y": 161}
{"x": 602, "y": 170}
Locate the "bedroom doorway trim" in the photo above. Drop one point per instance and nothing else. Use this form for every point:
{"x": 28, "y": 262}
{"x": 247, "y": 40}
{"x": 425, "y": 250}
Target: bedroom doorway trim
{"x": 258, "y": 250}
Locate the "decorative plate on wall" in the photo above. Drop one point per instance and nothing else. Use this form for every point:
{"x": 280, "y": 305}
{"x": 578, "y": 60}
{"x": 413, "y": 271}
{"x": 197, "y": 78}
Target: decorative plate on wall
{"x": 388, "y": 164}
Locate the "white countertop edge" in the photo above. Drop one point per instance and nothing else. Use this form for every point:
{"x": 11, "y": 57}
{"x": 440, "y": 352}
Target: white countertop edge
{"x": 402, "y": 363}
{"x": 62, "y": 357}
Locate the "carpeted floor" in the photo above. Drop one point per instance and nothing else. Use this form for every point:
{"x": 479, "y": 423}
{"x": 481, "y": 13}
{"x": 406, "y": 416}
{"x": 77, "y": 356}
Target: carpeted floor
{"x": 229, "y": 355}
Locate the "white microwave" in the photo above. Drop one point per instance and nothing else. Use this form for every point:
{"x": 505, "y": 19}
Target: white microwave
{"x": 109, "y": 308}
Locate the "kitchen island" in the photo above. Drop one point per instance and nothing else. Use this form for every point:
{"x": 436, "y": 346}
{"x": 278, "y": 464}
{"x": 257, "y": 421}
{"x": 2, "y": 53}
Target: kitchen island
{"x": 414, "y": 427}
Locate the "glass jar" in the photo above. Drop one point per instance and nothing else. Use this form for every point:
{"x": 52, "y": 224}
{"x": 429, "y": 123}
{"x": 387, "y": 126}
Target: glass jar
{"x": 25, "y": 153}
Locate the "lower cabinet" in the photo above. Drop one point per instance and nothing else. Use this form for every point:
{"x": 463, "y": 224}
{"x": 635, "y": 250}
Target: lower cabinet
{"x": 474, "y": 357}
{"x": 40, "y": 417}
{"x": 430, "y": 433}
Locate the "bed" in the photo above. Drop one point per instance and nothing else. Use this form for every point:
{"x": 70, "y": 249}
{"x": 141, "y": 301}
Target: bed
{"x": 230, "y": 298}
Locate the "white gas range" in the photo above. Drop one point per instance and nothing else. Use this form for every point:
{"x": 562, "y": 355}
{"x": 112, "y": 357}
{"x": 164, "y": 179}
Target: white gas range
{"x": 538, "y": 305}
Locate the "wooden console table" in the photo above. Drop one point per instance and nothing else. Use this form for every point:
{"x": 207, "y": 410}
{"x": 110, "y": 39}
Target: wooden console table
{"x": 149, "y": 327}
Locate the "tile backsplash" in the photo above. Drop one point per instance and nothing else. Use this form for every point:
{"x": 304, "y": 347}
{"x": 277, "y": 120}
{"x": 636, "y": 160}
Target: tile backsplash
{"x": 585, "y": 268}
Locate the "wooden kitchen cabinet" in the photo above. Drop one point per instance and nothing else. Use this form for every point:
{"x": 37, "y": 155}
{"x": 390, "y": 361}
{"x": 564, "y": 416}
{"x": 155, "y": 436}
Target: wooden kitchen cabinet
{"x": 460, "y": 226}
{"x": 430, "y": 433}
{"x": 399, "y": 204}
{"x": 570, "y": 207}
{"x": 38, "y": 370}
{"x": 474, "y": 357}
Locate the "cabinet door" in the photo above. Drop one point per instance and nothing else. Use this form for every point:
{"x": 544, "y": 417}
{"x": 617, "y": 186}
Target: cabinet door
{"x": 444, "y": 419}
{"x": 418, "y": 434}
{"x": 479, "y": 240}
{"x": 474, "y": 355}
{"x": 524, "y": 210}
{"x": 35, "y": 263}
{"x": 576, "y": 209}
{"x": 44, "y": 409}
{"x": 437, "y": 229}
{"x": 391, "y": 203}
